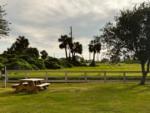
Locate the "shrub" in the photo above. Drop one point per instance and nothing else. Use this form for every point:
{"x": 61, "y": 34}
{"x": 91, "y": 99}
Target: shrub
{"x": 39, "y": 63}
{"x": 130, "y": 61}
{"x": 26, "y": 58}
{"x": 35, "y": 62}
{"x": 105, "y": 60}
{"x": 18, "y": 65}
{"x": 93, "y": 64}
{"x": 52, "y": 63}
{"x": 77, "y": 63}
{"x": 3, "y": 59}
{"x": 65, "y": 63}
{"x": 1, "y": 65}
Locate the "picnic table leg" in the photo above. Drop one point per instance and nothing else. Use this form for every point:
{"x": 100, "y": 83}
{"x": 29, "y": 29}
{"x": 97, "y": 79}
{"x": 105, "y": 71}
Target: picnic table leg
{"x": 45, "y": 87}
{"x": 19, "y": 89}
{"x": 32, "y": 90}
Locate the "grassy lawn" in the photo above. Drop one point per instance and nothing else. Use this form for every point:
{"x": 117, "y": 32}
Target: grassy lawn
{"x": 79, "y": 98}
{"x": 101, "y": 67}
{"x": 109, "y": 67}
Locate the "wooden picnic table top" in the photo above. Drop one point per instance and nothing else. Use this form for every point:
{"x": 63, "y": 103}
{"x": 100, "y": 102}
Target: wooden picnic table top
{"x": 31, "y": 79}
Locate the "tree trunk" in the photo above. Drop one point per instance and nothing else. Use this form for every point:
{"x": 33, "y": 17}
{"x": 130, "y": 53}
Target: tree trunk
{"x": 69, "y": 56}
{"x": 74, "y": 56}
{"x": 66, "y": 53}
{"x": 89, "y": 56}
{"x": 144, "y": 74}
{"x": 93, "y": 61}
{"x": 143, "y": 79}
{"x": 94, "y": 57}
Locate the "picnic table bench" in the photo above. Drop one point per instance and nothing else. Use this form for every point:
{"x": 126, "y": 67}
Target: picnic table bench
{"x": 30, "y": 85}
{"x": 43, "y": 85}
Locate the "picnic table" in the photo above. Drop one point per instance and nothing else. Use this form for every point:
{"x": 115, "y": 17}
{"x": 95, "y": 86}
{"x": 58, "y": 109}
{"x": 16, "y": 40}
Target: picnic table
{"x": 30, "y": 85}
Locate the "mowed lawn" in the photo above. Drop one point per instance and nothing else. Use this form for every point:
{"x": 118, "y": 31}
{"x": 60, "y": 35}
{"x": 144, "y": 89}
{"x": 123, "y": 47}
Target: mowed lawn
{"x": 100, "y": 67}
{"x": 79, "y": 98}
{"x": 108, "y": 67}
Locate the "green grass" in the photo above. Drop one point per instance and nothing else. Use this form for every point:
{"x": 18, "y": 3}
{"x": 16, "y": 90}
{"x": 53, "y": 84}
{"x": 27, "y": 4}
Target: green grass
{"x": 109, "y": 67}
{"x": 79, "y": 98}
{"x": 101, "y": 67}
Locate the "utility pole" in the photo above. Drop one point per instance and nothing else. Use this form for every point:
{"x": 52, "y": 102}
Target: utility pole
{"x": 72, "y": 41}
{"x": 71, "y": 31}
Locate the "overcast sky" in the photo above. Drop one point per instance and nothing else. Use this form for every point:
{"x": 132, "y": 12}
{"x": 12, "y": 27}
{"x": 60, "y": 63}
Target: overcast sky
{"x": 43, "y": 21}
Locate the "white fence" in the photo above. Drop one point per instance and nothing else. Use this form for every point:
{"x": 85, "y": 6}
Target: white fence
{"x": 74, "y": 76}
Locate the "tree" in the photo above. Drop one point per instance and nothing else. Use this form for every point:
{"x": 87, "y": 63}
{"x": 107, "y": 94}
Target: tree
{"x": 44, "y": 54}
{"x": 4, "y": 30}
{"x": 19, "y": 46}
{"x": 131, "y": 34}
{"x": 64, "y": 43}
{"x": 76, "y": 48}
{"x": 94, "y": 47}
{"x": 32, "y": 52}
{"x": 71, "y": 48}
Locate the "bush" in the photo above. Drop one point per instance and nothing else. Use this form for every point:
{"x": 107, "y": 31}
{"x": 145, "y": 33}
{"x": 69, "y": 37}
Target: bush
{"x": 65, "y": 63}
{"x": 39, "y": 63}
{"x": 105, "y": 60}
{"x": 18, "y": 65}
{"x": 52, "y": 63}
{"x": 35, "y": 62}
{"x": 93, "y": 64}
{"x": 77, "y": 63}
{"x": 1, "y": 65}
{"x": 9, "y": 56}
{"x": 26, "y": 58}
{"x": 130, "y": 61}
{"x": 3, "y": 59}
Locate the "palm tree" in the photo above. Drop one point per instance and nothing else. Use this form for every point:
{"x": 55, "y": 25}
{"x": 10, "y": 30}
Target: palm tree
{"x": 70, "y": 46}
{"x": 76, "y": 48}
{"x": 94, "y": 47}
{"x": 64, "y": 39}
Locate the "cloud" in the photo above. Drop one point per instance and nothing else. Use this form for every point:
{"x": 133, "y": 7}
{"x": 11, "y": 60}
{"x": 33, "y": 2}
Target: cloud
{"x": 43, "y": 21}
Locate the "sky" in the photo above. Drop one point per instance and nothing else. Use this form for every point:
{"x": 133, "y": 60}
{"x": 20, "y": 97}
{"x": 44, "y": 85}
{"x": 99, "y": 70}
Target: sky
{"x": 44, "y": 21}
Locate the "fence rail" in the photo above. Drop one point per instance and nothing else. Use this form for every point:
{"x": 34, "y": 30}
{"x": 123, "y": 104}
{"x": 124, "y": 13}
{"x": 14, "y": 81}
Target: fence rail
{"x": 74, "y": 76}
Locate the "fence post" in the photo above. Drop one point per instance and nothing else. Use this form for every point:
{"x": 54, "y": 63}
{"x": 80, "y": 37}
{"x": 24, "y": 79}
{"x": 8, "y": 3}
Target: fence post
{"x": 46, "y": 76}
{"x": 105, "y": 76}
{"x": 124, "y": 77}
{"x": 85, "y": 76}
{"x": 66, "y": 76}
